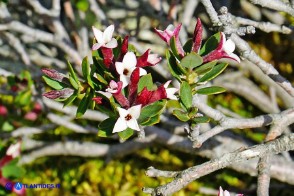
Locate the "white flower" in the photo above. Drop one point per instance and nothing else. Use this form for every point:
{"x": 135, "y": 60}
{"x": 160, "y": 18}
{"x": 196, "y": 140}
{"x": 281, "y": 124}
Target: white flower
{"x": 104, "y": 39}
{"x": 223, "y": 193}
{"x": 14, "y": 150}
{"x": 170, "y": 92}
{"x": 127, "y": 118}
{"x": 229, "y": 47}
{"x": 126, "y": 67}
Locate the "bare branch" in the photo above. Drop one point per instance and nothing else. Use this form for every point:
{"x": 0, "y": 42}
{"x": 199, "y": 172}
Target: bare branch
{"x": 267, "y": 68}
{"x": 211, "y": 12}
{"x": 285, "y": 143}
{"x": 275, "y": 5}
{"x": 227, "y": 123}
{"x": 264, "y": 26}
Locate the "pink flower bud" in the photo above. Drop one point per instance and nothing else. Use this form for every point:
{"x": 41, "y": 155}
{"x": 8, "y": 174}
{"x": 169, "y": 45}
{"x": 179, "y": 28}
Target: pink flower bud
{"x": 53, "y": 74}
{"x": 170, "y": 32}
{"x": 31, "y": 116}
{"x": 3, "y": 111}
{"x": 54, "y": 94}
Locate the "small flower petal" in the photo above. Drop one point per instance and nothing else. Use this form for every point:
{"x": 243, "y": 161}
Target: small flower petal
{"x": 229, "y": 46}
{"x": 106, "y": 94}
{"x": 96, "y": 46}
{"x": 125, "y": 80}
{"x": 98, "y": 35}
{"x": 120, "y": 125}
{"x": 14, "y": 150}
{"x": 130, "y": 60}
{"x": 107, "y": 34}
{"x": 170, "y": 93}
{"x": 112, "y": 43}
{"x": 226, "y": 193}
{"x": 135, "y": 111}
{"x": 122, "y": 112}
{"x": 142, "y": 72}
{"x": 133, "y": 124}
{"x": 119, "y": 67}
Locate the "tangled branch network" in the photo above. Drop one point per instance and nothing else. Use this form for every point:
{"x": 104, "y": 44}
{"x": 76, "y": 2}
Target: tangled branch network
{"x": 113, "y": 86}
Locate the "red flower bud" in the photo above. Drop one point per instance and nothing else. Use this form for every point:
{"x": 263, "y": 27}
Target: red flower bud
{"x": 31, "y": 116}
{"x": 98, "y": 100}
{"x": 197, "y": 37}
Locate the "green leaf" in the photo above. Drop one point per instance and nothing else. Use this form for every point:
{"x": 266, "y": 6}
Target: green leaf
{"x": 84, "y": 104}
{"x": 105, "y": 110}
{"x": 73, "y": 82}
{"x": 99, "y": 65}
{"x": 203, "y": 69}
{"x": 181, "y": 115}
{"x": 192, "y": 60}
{"x": 72, "y": 73}
{"x": 89, "y": 78}
{"x": 151, "y": 121}
{"x": 172, "y": 65}
{"x": 116, "y": 50}
{"x": 85, "y": 67}
{"x": 188, "y": 45}
{"x": 86, "y": 72}
{"x": 173, "y": 47}
{"x": 105, "y": 128}
{"x": 216, "y": 70}
{"x": 186, "y": 95}
{"x": 27, "y": 75}
{"x": 101, "y": 79}
{"x": 23, "y": 98}
{"x": 211, "y": 90}
{"x": 173, "y": 104}
{"x": 82, "y": 5}
{"x": 145, "y": 81}
{"x": 151, "y": 110}
{"x": 7, "y": 126}
{"x": 11, "y": 170}
{"x": 53, "y": 83}
{"x": 202, "y": 119}
{"x": 132, "y": 48}
{"x": 126, "y": 134}
{"x": 210, "y": 44}
{"x": 70, "y": 99}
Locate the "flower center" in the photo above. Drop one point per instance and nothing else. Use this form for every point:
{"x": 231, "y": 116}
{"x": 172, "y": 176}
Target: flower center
{"x": 125, "y": 72}
{"x": 128, "y": 117}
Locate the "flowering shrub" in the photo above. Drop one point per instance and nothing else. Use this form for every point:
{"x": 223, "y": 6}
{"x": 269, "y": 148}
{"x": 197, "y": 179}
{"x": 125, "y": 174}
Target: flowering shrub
{"x": 118, "y": 85}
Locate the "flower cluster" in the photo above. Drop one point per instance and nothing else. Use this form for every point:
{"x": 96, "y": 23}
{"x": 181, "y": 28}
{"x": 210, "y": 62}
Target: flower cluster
{"x": 118, "y": 84}
{"x": 224, "y": 49}
{"x": 11, "y": 153}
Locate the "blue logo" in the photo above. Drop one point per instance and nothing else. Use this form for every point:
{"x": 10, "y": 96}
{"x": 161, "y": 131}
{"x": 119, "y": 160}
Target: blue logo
{"x": 9, "y": 186}
{"x": 18, "y": 186}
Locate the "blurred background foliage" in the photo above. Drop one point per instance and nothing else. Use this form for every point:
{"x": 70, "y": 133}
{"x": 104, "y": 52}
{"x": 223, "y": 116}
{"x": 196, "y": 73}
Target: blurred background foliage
{"x": 126, "y": 176}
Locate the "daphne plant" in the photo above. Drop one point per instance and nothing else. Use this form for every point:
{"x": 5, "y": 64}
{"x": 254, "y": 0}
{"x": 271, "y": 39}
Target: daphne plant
{"x": 118, "y": 85}
{"x": 193, "y": 65}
